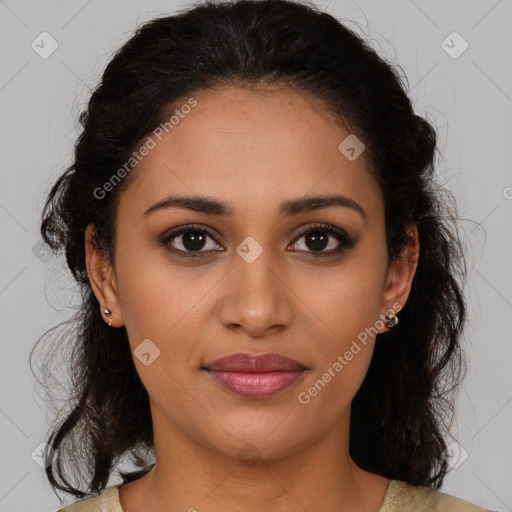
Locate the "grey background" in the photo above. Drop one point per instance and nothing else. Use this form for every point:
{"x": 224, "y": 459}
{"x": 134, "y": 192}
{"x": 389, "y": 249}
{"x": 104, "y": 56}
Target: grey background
{"x": 469, "y": 98}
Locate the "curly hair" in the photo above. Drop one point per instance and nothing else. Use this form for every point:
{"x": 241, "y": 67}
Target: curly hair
{"x": 403, "y": 409}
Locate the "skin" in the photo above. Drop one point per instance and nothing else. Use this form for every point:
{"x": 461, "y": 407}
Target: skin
{"x": 252, "y": 149}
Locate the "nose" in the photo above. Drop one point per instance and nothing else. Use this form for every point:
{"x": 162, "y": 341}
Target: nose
{"x": 254, "y": 297}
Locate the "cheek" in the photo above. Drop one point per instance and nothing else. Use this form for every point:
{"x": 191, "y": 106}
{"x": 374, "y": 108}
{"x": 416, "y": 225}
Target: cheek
{"x": 341, "y": 356}
{"x": 170, "y": 306}
{"x": 348, "y": 300}
{"x": 154, "y": 293}
{"x": 161, "y": 303}
{"x": 345, "y": 317}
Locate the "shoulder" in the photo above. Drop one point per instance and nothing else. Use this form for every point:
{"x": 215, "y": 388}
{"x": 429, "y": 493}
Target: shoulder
{"x": 404, "y": 497}
{"x": 107, "y": 501}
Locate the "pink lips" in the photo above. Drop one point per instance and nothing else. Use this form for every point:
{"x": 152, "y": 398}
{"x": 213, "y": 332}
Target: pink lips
{"x": 255, "y": 376}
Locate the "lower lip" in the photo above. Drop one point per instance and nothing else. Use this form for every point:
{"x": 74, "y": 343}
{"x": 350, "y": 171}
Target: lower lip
{"x": 256, "y": 385}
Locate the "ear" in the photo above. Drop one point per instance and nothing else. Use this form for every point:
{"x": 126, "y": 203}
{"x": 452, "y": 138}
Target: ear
{"x": 400, "y": 275}
{"x": 102, "y": 278}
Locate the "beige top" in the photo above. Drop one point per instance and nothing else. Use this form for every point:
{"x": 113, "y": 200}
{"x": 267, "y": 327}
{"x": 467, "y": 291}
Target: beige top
{"x": 399, "y": 497}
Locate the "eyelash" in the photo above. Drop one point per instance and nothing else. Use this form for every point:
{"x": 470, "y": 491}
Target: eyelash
{"x": 346, "y": 242}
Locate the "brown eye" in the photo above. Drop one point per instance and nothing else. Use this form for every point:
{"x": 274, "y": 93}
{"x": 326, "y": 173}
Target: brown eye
{"x": 316, "y": 239}
{"x": 190, "y": 239}
{"x": 193, "y": 240}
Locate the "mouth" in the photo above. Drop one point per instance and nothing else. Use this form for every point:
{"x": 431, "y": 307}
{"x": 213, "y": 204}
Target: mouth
{"x": 255, "y": 376}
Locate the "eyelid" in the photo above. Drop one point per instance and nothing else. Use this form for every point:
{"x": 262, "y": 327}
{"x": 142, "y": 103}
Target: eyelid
{"x": 176, "y": 232}
{"x": 321, "y": 225}
{"x": 344, "y": 239}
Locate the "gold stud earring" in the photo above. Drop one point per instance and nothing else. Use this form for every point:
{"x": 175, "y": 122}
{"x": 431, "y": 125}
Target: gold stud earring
{"x": 391, "y": 320}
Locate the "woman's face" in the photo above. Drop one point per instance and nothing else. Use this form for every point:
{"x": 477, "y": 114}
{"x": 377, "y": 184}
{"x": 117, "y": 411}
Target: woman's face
{"x": 246, "y": 280}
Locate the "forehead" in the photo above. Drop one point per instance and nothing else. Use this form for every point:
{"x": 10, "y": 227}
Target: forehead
{"x": 256, "y": 146}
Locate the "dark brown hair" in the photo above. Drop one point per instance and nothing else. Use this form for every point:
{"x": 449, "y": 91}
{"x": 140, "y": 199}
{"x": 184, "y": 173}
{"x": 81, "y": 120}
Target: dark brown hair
{"x": 400, "y": 414}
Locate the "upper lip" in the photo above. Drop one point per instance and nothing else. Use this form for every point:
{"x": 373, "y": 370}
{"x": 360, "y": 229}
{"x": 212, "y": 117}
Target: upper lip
{"x": 259, "y": 363}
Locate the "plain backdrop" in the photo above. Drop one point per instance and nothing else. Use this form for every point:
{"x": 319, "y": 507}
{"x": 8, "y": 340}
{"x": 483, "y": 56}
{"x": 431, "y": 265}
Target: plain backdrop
{"x": 466, "y": 94}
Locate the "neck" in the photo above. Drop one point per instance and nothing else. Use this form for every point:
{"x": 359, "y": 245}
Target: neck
{"x": 193, "y": 477}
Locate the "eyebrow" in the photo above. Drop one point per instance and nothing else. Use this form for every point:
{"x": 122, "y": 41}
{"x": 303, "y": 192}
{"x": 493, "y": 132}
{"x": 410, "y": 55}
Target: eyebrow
{"x": 210, "y": 206}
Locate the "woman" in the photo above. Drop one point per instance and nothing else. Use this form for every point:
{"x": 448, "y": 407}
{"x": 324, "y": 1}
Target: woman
{"x": 272, "y": 304}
